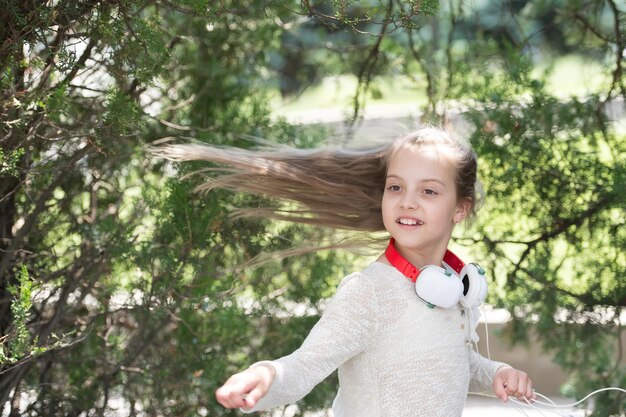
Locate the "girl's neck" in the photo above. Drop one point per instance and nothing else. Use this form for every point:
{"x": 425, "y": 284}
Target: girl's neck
{"x": 395, "y": 259}
{"x": 418, "y": 259}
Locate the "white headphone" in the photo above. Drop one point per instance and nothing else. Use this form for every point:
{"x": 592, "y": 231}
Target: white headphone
{"x": 443, "y": 287}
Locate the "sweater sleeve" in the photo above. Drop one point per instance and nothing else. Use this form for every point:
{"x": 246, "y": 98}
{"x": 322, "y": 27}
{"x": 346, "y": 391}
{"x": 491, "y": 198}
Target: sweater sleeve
{"x": 482, "y": 371}
{"x": 346, "y": 328}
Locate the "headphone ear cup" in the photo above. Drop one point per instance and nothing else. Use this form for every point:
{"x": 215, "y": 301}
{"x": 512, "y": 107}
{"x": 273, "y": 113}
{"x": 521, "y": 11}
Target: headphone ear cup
{"x": 438, "y": 287}
{"x": 474, "y": 285}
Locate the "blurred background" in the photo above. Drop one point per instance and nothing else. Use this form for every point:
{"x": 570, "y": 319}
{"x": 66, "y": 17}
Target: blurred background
{"x": 125, "y": 293}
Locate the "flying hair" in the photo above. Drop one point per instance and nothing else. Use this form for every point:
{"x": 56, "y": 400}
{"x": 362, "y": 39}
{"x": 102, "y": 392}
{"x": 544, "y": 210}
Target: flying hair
{"x": 331, "y": 187}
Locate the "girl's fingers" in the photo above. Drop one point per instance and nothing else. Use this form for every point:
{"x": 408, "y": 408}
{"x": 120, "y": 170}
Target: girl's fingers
{"x": 525, "y": 388}
{"x": 512, "y": 382}
{"x": 520, "y": 390}
{"x": 499, "y": 389}
{"x": 254, "y": 396}
{"x": 531, "y": 392}
{"x": 528, "y": 394}
{"x": 232, "y": 394}
{"x": 520, "y": 386}
{"x": 245, "y": 389}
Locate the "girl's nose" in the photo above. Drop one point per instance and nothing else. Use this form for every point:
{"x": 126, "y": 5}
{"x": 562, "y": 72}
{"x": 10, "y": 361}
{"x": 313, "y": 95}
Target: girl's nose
{"x": 409, "y": 201}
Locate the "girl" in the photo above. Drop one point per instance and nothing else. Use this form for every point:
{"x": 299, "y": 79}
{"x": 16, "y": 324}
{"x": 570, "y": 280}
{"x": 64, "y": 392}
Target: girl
{"x": 399, "y": 353}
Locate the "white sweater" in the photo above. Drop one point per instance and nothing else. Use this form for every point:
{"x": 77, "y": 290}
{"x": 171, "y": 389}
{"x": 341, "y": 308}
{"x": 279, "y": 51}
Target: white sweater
{"x": 396, "y": 357}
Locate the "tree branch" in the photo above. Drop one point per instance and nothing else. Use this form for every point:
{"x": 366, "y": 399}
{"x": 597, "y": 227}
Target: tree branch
{"x": 618, "y": 79}
{"x": 40, "y": 206}
{"x": 430, "y": 82}
{"x": 560, "y": 228}
{"x": 365, "y": 74}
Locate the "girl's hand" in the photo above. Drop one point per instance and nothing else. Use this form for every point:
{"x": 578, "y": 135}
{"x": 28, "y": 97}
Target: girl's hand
{"x": 245, "y": 389}
{"x": 512, "y": 382}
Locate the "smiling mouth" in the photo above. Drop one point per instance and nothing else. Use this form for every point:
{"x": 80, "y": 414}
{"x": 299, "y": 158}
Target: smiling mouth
{"x": 409, "y": 222}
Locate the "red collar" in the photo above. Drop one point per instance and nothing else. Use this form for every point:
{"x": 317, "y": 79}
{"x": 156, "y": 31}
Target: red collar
{"x": 410, "y": 271}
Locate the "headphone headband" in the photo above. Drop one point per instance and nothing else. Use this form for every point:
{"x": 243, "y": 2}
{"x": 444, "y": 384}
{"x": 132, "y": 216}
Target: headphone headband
{"x": 409, "y": 270}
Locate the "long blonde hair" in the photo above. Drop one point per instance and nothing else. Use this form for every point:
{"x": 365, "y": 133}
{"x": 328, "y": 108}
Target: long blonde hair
{"x": 331, "y": 187}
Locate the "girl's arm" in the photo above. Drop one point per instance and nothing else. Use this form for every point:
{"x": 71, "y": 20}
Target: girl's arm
{"x": 347, "y": 326}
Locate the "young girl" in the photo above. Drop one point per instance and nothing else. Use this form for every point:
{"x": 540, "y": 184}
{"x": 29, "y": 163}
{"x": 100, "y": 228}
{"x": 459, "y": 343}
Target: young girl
{"x": 402, "y": 348}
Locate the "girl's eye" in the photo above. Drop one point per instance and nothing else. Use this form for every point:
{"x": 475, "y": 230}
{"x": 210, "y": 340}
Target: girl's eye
{"x": 394, "y": 188}
{"x": 428, "y": 191}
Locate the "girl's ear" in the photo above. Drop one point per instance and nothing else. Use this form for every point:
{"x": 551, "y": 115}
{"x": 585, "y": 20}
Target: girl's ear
{"x": 462, "y": 210}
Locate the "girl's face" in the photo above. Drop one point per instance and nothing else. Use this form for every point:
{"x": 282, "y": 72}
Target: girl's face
{"x": 420, "y": 205}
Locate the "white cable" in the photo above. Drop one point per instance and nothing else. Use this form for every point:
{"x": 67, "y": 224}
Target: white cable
{"x": 527, "y": 403}
{"x": 471, "y": 323}
{"x": 543, "y": 396}
{"x": 578, "y": 402}
{"x": 486, "y": 336}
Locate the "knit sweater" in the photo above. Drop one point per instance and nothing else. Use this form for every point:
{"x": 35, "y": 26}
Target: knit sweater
{"x": 396, "y": 356}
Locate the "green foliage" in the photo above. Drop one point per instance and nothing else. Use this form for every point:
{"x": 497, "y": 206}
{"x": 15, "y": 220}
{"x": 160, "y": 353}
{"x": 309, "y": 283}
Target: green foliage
{"x": 122, "y": 116}
{"x": 9, "y": 162}
{"x": 19, "y": 340}
{"x": 19, "y": 344}
{"x": 558, "y": 169}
